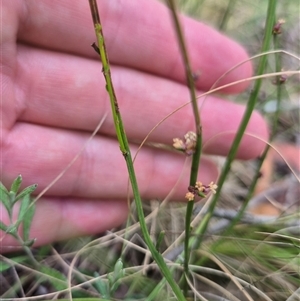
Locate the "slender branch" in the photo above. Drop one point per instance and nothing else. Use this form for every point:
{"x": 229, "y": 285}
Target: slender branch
{"x": 269, "y": 32}
{"x": 196, "y": 156}
{"x": 124, "y": 147}
{"x": 245, "y": 120}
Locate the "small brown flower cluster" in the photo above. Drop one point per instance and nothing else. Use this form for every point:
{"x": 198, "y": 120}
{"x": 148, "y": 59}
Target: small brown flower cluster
{"x": 200, "y": 190}
{"x": 277, "y": 27}
{"x": 188, "y": 146}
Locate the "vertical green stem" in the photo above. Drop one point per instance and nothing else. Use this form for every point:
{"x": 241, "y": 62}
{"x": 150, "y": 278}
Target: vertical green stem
{"x": 272, "y": 135}
{"x": 197, "y": 153}
{"x": 124, "y": 146}
{"x": 226, "y": 15}
{"x": 245, "y": 120}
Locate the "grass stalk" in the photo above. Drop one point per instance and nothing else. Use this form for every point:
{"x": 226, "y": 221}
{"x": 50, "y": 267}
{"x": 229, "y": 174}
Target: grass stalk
{"x": 197, "y": 154}
{"x": 274, "y": 126}
{"x": 124, "y": 147}
{"x": 227, "y": 14}
{"x": 245, "y": 120}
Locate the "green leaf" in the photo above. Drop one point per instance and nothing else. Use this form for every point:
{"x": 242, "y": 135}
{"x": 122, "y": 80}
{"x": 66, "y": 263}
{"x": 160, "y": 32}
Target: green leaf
{"x": 28, "y": 216}
{"x": 3, "y": 188}
{"x": 23, "y": 209}
{"x": 5, "y": 200}
{"x": 18, "y": 259}
{"x": 160, "y": 240}
{"x": 16, "y": 184}
{"x": 3, "y": 227}
{"x": 4, "y": 266}
{"x": 12, "y": 230}
{"x": 29, "y": 243}
{"x": 57, "y": 279}
{"x": 101, "y": 286}
{"x": 28, "y": 190}
{"x": 118, "y": 270}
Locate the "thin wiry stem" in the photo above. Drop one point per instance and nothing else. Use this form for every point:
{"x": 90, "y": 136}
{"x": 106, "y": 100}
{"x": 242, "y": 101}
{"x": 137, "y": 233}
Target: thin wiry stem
{"x": 196, "y": 156}
{"x": 124, "y": 147}
{"x": 247, "y": 115}
{"x": 274, "y": 125}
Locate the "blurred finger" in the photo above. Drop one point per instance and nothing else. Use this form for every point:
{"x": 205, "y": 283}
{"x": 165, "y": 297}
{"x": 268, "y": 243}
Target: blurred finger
{"x": 100, "y": 171}
{"x": 69, "y": 92}
{"x": 139, "y": 35}
{"x": 58, "y": 219}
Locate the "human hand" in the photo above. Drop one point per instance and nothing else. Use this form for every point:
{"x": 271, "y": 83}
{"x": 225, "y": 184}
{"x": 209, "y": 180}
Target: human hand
{"x": 54, "y": 96}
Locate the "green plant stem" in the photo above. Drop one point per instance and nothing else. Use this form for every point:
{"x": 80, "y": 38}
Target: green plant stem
{"x": 124, "y": 146}
{"x": 28, "y": 251}
{"x": 227, "y": 14}
{"x": 245, "y": 120}
{"x": 197, "y": 154}
{"x": 272, "y": 135}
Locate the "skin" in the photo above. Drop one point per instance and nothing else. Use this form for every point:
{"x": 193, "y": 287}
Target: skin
{"x": 53, "y": 97}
